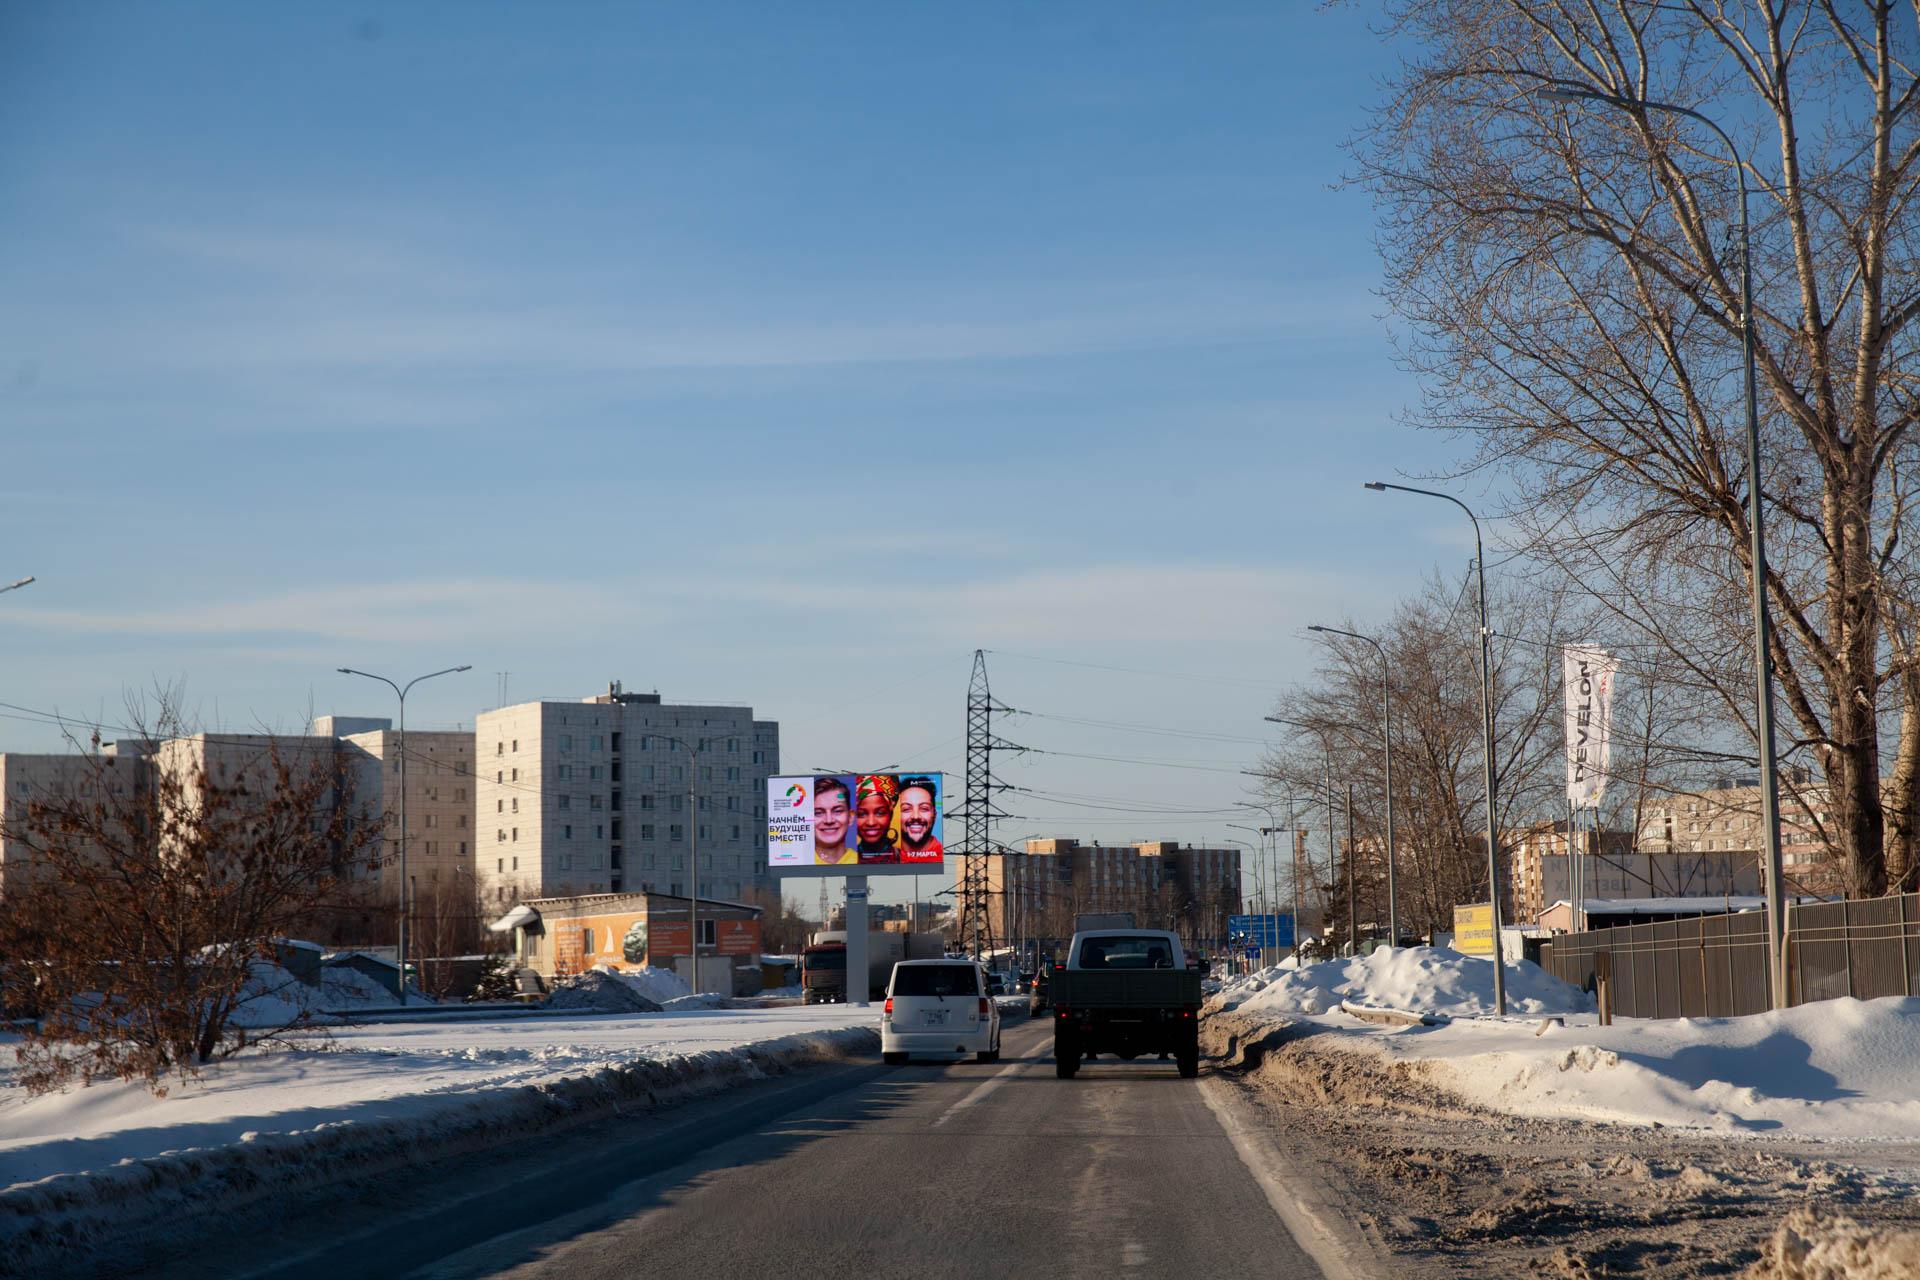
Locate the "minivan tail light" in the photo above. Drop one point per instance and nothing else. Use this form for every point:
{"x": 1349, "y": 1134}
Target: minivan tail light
{"x": 887, "y": 1009}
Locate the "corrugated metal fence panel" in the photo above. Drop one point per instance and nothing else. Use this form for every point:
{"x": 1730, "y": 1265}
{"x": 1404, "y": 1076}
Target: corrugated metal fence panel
{"x": 1716, "y": 980}
{"x": 1643, "y": 997}
{"x": 1747, "y": 964}
{"x": 1820, "y": 951}
{"x": 1878, "y": 957}
{"x": 1666, "y": 969}
{"x": 1693, "y": 969}
{"x": 1910, "y": 917}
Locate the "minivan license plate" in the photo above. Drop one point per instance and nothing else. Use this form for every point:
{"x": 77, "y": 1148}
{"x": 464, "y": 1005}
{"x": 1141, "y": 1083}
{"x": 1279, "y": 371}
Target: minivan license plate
{"x": 936, "y": 1017}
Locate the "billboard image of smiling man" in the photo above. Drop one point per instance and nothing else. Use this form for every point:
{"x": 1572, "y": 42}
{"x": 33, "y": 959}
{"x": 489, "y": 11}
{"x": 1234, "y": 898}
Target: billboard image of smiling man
{"x": 832, "y": 817}
{"x": 918, "y": 811}
{"x": 875, "y": 832}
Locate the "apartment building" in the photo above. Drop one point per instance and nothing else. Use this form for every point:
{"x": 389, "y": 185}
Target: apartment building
{"x": 1726, "y": 819}
{"x": 594, "y": 796}
{"x": 1037, "y": 894}
{"x": 26, "y": 778}
{"x": 440, "y": 800}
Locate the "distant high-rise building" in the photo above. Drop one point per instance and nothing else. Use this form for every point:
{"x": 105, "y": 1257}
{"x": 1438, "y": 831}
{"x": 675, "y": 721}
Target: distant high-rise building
{"x": 594, "y": 797}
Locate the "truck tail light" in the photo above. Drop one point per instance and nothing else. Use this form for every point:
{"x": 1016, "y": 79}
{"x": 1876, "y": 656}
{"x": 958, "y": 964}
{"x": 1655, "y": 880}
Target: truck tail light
{"x": 983, "y": 1006}
{"x": 886, "y": 1010}
{"x": 1062, "y": 1010}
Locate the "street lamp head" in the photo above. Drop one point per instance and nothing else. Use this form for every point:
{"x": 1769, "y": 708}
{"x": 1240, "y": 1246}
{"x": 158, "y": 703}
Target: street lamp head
{"x": 1375, "y": 485}
{"x": 469, "y": 667}
{"x": 1315, "y": 627}
{"x": 1554, "y": 93}
{"x": 345, "y": 671}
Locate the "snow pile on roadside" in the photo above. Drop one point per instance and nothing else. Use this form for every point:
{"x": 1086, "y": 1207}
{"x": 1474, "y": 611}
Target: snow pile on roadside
{"x": 655, "y": 983}
{"x": 1412, "y": 979}
{"x": 1834, "y": 1069}
{"x": 597, "y": 991}
{"x": 113, "y": 1160}
{"x": 1809, "y": 1247}
{"x": 274, "y": 997}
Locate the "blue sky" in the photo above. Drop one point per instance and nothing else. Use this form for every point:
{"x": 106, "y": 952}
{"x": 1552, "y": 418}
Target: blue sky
{"x": 761, "y": 353}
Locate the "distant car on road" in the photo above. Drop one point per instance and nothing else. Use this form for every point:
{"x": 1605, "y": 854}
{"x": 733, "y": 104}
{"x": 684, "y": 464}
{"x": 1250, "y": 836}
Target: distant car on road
{"x": 996, "y": 983}
{"x": 1037, "y": 997}
{"x": 939, "y": 1008}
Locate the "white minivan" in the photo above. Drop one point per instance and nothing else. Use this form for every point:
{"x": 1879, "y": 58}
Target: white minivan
{"x": 939, "y": 1007}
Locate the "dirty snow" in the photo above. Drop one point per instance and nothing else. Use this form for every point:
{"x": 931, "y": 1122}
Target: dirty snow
{"x": 1412, "y": 979}
{"x": 655, "y": 983}
{"x": 367, "y": 1074}
{"x": 1809, "y": 1246}
{"x": 598, "y": 991}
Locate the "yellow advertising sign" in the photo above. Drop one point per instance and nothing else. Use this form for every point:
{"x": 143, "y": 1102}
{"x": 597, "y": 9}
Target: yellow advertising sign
{"x": 1473, "y": 930}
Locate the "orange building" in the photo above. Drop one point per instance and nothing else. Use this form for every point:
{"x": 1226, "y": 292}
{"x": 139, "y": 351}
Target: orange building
{"x": 560, "y": 936}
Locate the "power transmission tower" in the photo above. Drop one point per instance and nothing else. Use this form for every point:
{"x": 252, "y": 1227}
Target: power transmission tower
{"x": 977, "y": 844}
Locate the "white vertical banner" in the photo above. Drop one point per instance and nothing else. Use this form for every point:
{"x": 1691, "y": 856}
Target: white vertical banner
{"x": 1588, "y": 671}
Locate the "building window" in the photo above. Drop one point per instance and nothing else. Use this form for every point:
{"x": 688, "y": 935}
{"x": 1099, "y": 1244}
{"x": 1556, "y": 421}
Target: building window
{"x": 586, "y": 942}
{"x": 499, "y": 748}
{"x": 516, "y": 775}
{"x": 500, "y": 837}
{"x": 733, "y": 773}
{"x": 499, "y": 806}
{"x": 499, "y": 864}
{"x": 566, "y": 832}
{"x": 566, "y": 742}
{"x": 516, "y": 833}
{"x": 646, "y": 831}
{"x": 566, "y": 802}
{"x": 593, "y": 802}
{"x": 566, "y": 862}
{"x": 516, "y": 864}
{"x": 516, "y": 744}
{"x": 646, "y": 802}
{"x": 516, "y": 804}
{"x": 616, "y": 742}
{"x": 706, "y": 932}
{"x": 463, "y": 848}
{"x": 462, "y": 823}
{"x": 675, "y": 835}
{"x": 598, "y": 831}
{"x": 432, "y": 819}
{"x": 736, "y": 831}
{"x": 593, "y": 773}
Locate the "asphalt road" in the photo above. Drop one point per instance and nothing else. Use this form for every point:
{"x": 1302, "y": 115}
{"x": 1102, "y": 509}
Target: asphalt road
{"x": 927, "y": 1170}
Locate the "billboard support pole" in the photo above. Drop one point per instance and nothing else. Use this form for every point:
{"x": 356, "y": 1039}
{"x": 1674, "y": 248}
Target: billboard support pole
{"x": 859, "y": 994}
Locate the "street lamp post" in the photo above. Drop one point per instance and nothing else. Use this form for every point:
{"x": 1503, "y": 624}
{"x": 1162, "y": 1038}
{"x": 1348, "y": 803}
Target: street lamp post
{"x": 1756, "y": 534}
{"x": 406, "y": 889}
{"x": 1486, "y": 731}
{"x": 1386, "y": 742}
{"x": 1260, "y": 889}
{"x": 693, "y": 750}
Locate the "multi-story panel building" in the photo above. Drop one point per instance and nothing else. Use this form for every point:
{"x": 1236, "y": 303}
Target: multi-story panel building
{"x": 1727, "y": 819}
{"x": 440, "y": 803}
{"x": 595, "y": 797}
{"x": 1037, "y": 895}
{"x": 27, "y": 778}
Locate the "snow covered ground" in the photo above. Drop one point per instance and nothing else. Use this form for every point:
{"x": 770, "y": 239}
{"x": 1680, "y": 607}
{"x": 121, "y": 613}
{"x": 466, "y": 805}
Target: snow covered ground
{"x": 1837, "y": 1069}
{"x": 364, "y": 1074}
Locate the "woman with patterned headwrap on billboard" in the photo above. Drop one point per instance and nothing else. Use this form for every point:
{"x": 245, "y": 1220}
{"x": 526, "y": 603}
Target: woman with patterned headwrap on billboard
{"x": 873, "y": 817}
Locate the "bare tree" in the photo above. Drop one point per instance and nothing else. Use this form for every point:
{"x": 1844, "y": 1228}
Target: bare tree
{"x": 1574, "y": 291}
{"x": 158, "y": 882}
{"x": 1439, "y": 804}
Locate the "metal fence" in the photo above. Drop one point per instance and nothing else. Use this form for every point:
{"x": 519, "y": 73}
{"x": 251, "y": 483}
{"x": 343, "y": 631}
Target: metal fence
{"x": 1716, "y": 966}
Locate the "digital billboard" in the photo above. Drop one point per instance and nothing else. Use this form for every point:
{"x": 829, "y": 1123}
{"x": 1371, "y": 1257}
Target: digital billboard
{"x": 855, "y": 824}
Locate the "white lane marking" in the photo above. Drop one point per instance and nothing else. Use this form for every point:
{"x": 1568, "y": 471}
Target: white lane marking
{"x": 1133, "y": 1254}
{"x": 980, "y": 1091}
{"x": 1328, "y": 1249}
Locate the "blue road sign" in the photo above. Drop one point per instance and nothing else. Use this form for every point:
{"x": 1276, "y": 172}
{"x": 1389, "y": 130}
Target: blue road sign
{"x": 1274, "y": 929}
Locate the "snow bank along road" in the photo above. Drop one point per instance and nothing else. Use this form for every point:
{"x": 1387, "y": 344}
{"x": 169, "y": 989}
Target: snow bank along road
{"x": 111, "y": 1169}
{"x": 925, "y": 1170}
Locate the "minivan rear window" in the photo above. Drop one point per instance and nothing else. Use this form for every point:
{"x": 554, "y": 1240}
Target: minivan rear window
{"x": 1126, "y": 953}
{"x": 936, "y": 980}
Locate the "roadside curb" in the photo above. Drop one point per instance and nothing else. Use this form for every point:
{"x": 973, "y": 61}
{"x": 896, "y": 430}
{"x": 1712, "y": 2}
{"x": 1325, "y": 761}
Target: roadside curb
{"x": 59, "y": 1220}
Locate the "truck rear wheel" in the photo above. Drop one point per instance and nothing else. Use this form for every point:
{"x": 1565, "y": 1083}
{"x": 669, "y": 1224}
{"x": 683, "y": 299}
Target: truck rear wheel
{"x": 1189, "y": 1063}
{"x": 893, "y": 1059}
{"x": 1066, "y": 1057}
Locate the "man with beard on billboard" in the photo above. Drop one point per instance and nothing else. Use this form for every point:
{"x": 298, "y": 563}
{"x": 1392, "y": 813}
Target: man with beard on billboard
{"x": 875, "y": 795}
{"x": 832, "y": 815}
{"x": 919, "y": 811}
